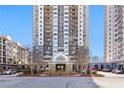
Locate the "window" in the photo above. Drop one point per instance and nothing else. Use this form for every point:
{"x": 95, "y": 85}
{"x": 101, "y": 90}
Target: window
{"x": 66, "y": 25}
{"x": 66, "y": 34}
{"x": 55, "y": 13}
{"x": 55, "y": 25}
{"x": 66, "y": 17}
{"x": 55, "y": 34}
{"x": 66, "y": 47}
{"x": 66, "y": 12}
{"x": 54, "y": 38}
{"x": 66, "y": 29}
{"x": 66, "y": 21}
{"x": 54, "y": 8}
{"x": 55, "y": 51}
{"x": 73, "y": 9}
{"x": 66, "y": 38}
{"x": 66, "y": 42}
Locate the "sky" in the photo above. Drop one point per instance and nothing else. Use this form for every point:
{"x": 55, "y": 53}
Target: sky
{"x": 16, "y": 21}
{"x": 96, "y": 30}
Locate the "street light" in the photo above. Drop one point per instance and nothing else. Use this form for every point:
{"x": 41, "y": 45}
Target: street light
{"x": 20, "y": 62}
{"x": 20, "y": 65}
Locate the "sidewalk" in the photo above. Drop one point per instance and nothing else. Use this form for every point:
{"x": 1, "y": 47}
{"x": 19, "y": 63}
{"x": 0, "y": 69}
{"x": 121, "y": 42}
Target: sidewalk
{"x": 110, "y": 80}
{"x": 110, "y": 74}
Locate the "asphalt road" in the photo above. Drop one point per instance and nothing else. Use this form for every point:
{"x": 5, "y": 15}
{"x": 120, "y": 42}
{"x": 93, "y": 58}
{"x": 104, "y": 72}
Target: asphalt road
{"x": 109, "y": 81}
{"x": 46, "y": 82}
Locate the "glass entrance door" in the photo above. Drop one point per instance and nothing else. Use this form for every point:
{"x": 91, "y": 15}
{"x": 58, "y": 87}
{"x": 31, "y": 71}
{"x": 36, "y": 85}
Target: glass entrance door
{"x": 60, "y": 67}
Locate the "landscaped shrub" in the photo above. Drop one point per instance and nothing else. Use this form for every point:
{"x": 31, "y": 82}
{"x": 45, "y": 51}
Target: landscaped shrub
{"x": 94, "y": 72}
{"x": 27, "y": 72}
{"x": 88, "y": 72}
{"x": 35, "y": 72}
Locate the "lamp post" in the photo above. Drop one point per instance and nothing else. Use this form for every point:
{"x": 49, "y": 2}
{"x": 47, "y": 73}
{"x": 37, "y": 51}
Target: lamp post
{"x": 59, "y": 68}
{"x": 20, "y": 65}
{"x": 31, "y": 67}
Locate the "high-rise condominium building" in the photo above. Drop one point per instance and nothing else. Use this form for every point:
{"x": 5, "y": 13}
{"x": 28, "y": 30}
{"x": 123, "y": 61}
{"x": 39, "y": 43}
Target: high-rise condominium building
{"x": 114, "y": 33}
{"x": 60, "y": 36}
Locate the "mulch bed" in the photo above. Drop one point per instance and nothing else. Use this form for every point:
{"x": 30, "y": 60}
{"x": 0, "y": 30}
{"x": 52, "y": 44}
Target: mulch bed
{"x": 83, "y": 75}
{"x": 28, "y": 75}
{"x": 92, "y": 75}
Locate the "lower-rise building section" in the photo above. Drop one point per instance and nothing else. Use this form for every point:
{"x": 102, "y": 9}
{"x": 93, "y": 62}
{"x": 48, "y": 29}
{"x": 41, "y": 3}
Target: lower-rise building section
{"x": 12, "y": 53}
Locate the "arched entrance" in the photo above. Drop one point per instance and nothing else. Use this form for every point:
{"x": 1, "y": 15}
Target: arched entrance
{"x": 60, "y": 61}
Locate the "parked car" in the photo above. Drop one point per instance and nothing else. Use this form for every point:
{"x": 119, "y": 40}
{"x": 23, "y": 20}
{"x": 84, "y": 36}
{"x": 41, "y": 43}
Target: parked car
{"x": 93, "y": 68}
{"x": 103, "y": 69}
{"x": 116, "y": 70}
{"x": 107, "y": 70}
{"x": 9, "y": 72}
{"x": 120, "y": 72}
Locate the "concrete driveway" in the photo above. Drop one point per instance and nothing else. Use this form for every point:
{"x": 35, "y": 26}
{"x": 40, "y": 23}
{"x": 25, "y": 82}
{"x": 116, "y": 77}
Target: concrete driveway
{"x": 110, "y": 80}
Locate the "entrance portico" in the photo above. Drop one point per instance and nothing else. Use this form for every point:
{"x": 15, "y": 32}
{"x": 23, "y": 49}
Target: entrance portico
{"x": 60, "y": 62}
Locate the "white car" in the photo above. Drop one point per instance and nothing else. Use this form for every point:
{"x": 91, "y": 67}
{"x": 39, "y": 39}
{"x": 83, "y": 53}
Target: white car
{"x": 9, "y": 72}
{"x": 116, "y": 71}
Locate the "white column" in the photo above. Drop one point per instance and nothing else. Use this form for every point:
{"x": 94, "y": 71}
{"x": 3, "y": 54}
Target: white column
{"x": 41, "y": 25}
{"x": 55, "y": 29}
{"x": 66, "y": 30}
{"x": 80, "y": 25}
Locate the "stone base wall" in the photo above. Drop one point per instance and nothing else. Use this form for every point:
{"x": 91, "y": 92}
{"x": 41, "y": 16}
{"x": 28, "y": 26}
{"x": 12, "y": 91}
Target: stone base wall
{"x": 68, "y": 68}
{"x": 52, "y": 67}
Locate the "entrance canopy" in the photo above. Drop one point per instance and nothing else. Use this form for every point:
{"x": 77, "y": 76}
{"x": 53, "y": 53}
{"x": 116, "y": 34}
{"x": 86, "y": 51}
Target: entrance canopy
{"x": 60, "y": 58}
